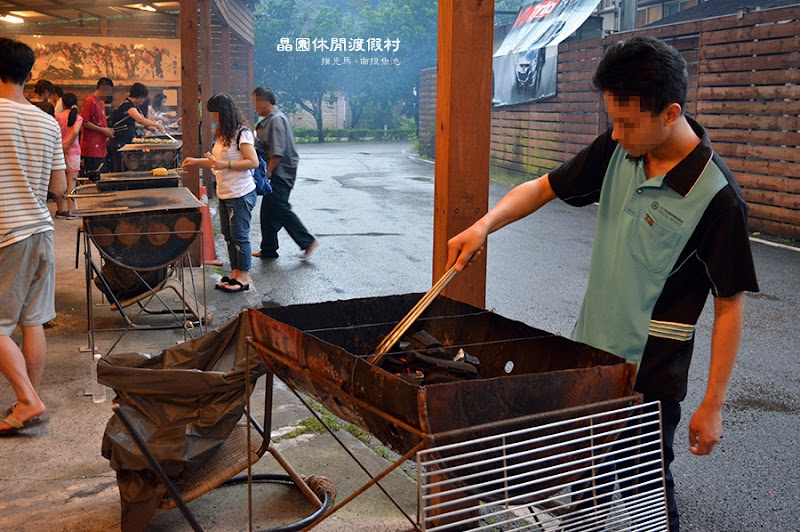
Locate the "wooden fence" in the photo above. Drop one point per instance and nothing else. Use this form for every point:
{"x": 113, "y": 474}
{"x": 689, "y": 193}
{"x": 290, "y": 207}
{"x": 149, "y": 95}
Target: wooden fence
{"x": 744, "y": 87}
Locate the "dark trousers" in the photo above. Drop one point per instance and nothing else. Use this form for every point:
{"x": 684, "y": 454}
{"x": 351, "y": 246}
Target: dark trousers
{"x": 670, "y": 416}
{"x": 276, "y": 213}
{"x": 92, "y": 168}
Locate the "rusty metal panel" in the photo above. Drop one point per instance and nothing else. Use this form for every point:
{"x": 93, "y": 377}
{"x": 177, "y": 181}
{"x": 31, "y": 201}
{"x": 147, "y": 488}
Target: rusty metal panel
{"x": 321, "y": 349}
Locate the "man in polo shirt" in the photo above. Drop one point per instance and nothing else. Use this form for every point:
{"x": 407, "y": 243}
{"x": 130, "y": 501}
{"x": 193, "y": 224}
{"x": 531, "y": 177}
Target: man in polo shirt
{"x": 32, "y": 163}
{"x": 274, "y": 135}
{"x": 671, "y": 227}
{"x": 95, "y": 127}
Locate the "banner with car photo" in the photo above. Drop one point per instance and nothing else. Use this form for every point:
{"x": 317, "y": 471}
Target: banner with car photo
{"x": 524, "y": 66}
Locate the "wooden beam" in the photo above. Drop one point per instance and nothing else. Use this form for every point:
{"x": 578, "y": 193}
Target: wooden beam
{"x": 189, "y": 80}
{"x": 225, "y": 54}
{"x": 251, "y": 79}
{"x": 463, "y": 123}
{"x": 204, "y": 71}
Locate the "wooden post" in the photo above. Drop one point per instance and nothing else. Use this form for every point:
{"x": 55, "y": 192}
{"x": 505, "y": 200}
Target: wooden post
{"x": 463, "y": 122}
{"x": 189, "y": 112}
{"x": 251, "y": 79}
{"x": 204, "y": 71}
{"x": 225, "y": 54}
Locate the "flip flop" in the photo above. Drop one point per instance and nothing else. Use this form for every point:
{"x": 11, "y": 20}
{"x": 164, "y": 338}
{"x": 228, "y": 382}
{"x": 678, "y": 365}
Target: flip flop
{"x": 17, "y": 425}
{"x": 235, "y": 286}
{"x": 222, "y": 282}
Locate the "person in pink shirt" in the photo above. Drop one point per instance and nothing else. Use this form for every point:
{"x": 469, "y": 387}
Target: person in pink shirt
{"x": 70, "y": 122}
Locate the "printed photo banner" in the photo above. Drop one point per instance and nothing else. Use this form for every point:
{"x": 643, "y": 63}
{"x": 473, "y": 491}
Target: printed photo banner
{"x": 524, "y": 66}
{"x": 71, "y": 60}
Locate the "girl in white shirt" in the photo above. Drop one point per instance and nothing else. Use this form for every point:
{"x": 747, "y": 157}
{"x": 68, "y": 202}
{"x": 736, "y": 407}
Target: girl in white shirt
{"x": 232, "y": 160}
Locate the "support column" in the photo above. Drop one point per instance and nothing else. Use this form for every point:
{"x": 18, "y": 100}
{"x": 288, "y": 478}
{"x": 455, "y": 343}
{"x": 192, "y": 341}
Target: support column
{"x": 463, "y": 122}
{"x": 204, "y": 72}
{"x": 189, "y": 80}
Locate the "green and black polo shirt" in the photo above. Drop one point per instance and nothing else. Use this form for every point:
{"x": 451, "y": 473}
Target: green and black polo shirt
{"x": 660, "y": 246}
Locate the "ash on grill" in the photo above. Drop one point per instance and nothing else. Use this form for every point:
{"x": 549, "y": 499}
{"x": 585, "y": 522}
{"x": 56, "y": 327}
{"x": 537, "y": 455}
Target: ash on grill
{"x": 422, "y": 359}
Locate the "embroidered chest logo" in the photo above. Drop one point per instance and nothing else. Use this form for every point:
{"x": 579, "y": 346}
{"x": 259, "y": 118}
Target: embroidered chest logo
{"x": 667, "y": 214}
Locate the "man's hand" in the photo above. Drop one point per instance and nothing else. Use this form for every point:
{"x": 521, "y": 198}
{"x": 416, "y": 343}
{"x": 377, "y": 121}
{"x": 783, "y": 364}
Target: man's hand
{"x": 464, "y": 245}
{"x": 108, "y": 132}
{"x": 705, "y": 430}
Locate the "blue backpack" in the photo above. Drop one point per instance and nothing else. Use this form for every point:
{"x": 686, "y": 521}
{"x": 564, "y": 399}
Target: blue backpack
{"x": 260, "y": 174}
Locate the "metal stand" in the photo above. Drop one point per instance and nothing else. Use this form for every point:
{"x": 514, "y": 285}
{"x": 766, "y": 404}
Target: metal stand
{"x": 596, "y": 467}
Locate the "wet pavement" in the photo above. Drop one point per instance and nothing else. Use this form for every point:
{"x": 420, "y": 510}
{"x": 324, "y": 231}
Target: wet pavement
{"x": 371, "y": 206}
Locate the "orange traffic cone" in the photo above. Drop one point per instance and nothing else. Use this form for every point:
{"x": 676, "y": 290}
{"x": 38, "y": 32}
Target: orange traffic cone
{"x": 209, "y": 251}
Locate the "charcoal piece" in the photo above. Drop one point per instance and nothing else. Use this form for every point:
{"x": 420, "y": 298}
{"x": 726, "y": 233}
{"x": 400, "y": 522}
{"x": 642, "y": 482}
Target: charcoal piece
{"x": 426, "y": 363}
{"x": 423, "y": 340}
{"x": 475, "y": 361}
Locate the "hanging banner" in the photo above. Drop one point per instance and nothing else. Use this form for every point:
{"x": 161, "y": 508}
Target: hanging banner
{"x": 67, "y": 60}
{"x": 524, "y": 67}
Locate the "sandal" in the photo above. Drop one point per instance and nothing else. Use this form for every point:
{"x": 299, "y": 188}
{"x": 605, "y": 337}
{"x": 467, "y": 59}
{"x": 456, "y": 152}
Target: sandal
{"x": 235, "y": 286}
{"x": 17, "y": 425}
{"x": 222, "y": 282}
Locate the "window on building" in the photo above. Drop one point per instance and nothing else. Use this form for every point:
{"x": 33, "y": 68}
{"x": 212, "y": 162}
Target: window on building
{"x": 649, "y": 11}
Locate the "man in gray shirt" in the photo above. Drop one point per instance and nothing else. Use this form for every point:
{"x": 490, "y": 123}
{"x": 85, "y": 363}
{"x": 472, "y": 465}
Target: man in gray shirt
{"x": 274, "y": 135}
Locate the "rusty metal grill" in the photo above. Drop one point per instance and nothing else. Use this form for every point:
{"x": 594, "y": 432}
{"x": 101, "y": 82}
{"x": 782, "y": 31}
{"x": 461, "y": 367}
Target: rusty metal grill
{"x": 581, "y": 473}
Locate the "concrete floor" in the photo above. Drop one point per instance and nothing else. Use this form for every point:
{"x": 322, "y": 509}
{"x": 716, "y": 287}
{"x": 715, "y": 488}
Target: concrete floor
{"x": 371, "y": 205}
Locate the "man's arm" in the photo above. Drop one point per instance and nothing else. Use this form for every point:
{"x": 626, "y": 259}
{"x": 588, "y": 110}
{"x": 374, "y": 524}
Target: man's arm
{"x": 705, "y": 428}
{"x": 58, "y": 183}
{"x": 273, "y": 163}
{"x": 107, "y": 131}
{"x": 518, "y": 203}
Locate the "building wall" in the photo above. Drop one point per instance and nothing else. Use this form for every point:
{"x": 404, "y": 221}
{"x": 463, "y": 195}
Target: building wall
{"x": 334, "y": 115}
{"x": 744, "y": 88}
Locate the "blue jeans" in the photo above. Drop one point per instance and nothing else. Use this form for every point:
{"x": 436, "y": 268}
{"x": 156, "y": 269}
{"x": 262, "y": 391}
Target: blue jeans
{"x": 234, "y": 220}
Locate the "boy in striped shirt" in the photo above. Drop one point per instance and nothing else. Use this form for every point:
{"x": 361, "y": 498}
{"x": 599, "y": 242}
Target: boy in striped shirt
{"x": 32, "y": 163}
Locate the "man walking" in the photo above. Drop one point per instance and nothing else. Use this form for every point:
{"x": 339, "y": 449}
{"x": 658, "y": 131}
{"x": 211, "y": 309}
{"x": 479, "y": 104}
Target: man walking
{"x": 32, "y": 163}
{"x": 95, "y": 127}
{"x": 274, "y": 135}
{"x": 671, "y": 227}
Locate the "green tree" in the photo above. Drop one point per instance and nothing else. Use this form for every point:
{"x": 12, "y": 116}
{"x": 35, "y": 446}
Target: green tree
{"x": 298, "y": 77}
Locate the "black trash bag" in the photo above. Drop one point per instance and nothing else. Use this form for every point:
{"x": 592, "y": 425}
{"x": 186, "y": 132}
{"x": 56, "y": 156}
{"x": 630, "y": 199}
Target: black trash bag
{"x": 122, "y": 283}
{"x": 184, "y": 402}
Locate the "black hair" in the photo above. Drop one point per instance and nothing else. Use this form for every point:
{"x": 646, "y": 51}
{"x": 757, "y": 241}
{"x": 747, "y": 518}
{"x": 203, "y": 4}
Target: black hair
{"x": 43, "y": 86}
{"x": 16, "y": 61}
{"x": 59, "y": 91}
{"x": 104, "y": 81}
{"x": 265, "y": 93}
{"x": 70, "y": 101}
{"x": 644, "y": 67}
{"x": 231, "y": 118}
{"x": 158, "y": 101}
{"x": 138, "y": 90}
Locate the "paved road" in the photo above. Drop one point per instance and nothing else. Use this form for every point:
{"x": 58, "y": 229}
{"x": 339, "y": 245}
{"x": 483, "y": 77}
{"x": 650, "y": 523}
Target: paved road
{"x": 371, "y": 205}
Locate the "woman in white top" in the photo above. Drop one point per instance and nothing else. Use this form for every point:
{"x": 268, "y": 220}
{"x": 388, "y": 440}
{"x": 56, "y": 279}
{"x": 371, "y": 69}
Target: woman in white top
{"x": 232, "y": 159}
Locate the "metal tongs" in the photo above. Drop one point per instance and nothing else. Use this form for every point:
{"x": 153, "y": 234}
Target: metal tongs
{"x": 400, "y": 329}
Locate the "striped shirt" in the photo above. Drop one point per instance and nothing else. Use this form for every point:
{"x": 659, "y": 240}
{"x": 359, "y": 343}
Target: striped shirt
{"x": 30, "y": 149}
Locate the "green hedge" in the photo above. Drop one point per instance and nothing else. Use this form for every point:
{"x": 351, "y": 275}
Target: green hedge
{"x": 305, "y": 134}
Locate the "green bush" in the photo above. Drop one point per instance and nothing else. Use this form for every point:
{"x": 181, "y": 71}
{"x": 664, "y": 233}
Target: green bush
{"x": 306, "y": 135}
